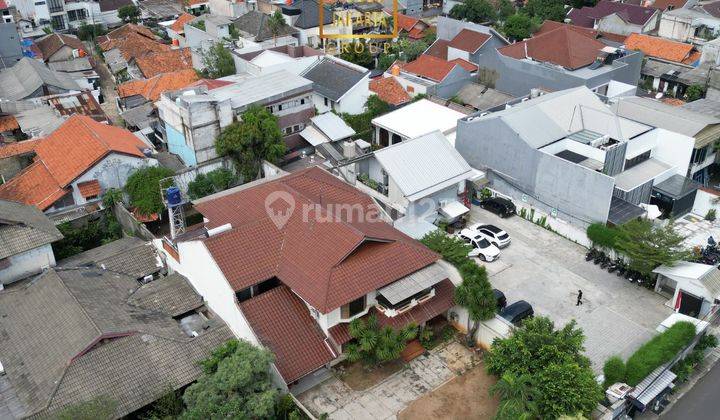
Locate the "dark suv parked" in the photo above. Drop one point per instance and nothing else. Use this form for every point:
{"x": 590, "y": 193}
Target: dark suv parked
{"x": 518, "y": 311}
{"x": 498, "y": 205}
{"x": 500, "y": 299}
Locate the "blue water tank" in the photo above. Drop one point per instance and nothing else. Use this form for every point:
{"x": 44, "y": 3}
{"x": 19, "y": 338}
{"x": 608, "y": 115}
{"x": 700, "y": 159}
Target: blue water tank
{"x": 173, "y": 196}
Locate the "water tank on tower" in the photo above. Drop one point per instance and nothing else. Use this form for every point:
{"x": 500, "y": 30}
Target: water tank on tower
{"x": 173, "y": 196}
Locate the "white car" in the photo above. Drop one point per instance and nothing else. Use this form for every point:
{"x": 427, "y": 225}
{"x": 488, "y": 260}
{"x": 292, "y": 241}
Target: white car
{"x": 483, "y": 248}
{"x": 494, "y": 234}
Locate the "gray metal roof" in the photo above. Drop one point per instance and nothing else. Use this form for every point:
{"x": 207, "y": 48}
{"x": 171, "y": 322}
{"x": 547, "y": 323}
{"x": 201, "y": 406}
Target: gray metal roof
{"x": 333, "y": 79}
{"x": 423, "y": 165}
{"x": 23, "y": 228}
{"x": 254, "y": 24}
{"x": 252, "y": 90}
{"x": 414, "y": 283}
{"x": 49, "y": 331}
{"x": 652, "y": 385}
{"x": 310, "y": 14}
{"x": 141, "y": 116}
{"x": 640, "y": 174}
{"x": 131, "y": 256}
{"x": 705, "y": 106}
{"x": 71, "y": 66}
{"x": 657, "y": 68}
{"x": 28, "y": 75}
{"x": 658, "y": 114}
{"x": 677, "y": 186}
{"x": 332, "y": 126}
{"x": 482, "y": 97}
{"x": 622, "y": 211}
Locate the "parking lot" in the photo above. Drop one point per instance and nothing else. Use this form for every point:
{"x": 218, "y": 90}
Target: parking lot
{"x": 547, "y": 271}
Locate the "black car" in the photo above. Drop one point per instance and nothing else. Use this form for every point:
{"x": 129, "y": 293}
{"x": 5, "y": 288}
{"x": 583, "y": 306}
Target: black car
{"x": 498, "y": 205}
{"x": 500, "y": 299}
{"x": 518, "y": 311}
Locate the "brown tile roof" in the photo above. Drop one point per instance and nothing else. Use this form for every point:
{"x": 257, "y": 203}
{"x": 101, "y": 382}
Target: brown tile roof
{"x": 78, "y": 144}
{"x": 468, "y": 40}
{"x": 83, "y": 103}
{"x": 389, "y": 90}
{"x": 673, "y": 101}
{"x": 163, "y": 62}
{"x": 438, "y": 49}
{"x": 550, "y": 25}
{"x": 50, "y": 44}
{"x": 438, "y": 304}
{"x": 8, "y": 123}
{"x": 662, "y": 48}
{"x": 465, "y": 64}
{"x": 405, "y": 22}
{"x": 179, "y": 25}
{"x": 134, "y": 45}
{"x": 562, "y": 46}
{"x": 283, "y": 323}
{"x": 89, "y": 189}
{"x": 416, "y": 33}
{"x": 211, "y": 84}
{"x": 152, "y": 88}
{"x": 329, "y": 260}
{"x": 430, "y": 67}
{"x": 664, "y": 4}
{"x": 17, "y": 148}
{"x": 127, "y": 29}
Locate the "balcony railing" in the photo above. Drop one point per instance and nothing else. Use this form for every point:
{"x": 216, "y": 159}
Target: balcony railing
{"x": 404, "y": 306}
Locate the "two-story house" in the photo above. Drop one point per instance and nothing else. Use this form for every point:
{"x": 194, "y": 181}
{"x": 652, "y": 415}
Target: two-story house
{"x": 289, "y": 261}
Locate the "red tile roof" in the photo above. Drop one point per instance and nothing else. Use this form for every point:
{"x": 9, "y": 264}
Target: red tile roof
{"x": 283, "y": 323}
{"x": 163, "y": 62}
{"x": 465, "y": 64}
{"x": 664, "y": 4}
{"x": 469, "y": 40}
{"x": 134, "y": 45}
{"x": 405, "y": 22}
{"x": 438, "y": 49}
{"x": 662, "y": 48}
{"x": 430, "y": 67}
{"x": 562, "y": 46}
{"x": 8, "y": 123}
{"x": 17, "y": 148}
{"x": 328, "y": 260}
{"x": 50, "y": 44}
{"x": 89, "y": 189}
{"x": 438, "y": 304}
{"x": 179, "y": 25}
{"x": 416, "y": 33}
{"x": 152, "y": 88}
{"x": 211, "y": 84}
{"x": 389, "y": 90}
{"x": 72, "y": 149}
{"x": 550, "y": 25}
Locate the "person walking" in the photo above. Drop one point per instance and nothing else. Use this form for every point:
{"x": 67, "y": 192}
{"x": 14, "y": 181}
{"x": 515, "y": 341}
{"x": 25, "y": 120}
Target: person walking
{"x": 579, "y": 300}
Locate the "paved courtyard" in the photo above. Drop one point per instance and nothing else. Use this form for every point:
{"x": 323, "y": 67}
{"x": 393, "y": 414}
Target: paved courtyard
{"x": 547, "y": 271}
{"x": 387, "y": 398}
{"x": 696, "y": 229}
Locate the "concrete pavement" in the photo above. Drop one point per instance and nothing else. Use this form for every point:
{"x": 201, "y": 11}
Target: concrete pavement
{"x": 700, "y": 402}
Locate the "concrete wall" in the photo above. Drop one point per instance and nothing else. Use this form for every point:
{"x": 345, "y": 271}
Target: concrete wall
{"x": 613, "y": 24}
{"x": 704, "y": 201}
{"x": 176, "y": 144}
{"x": 353, "y": 102}
{"x": 111, "y": 172}
{"x": 27, "y": 264}
{"x": 130, "y": 224}
{"x": 453, "y": 82}
{"x": 10, "y": 51}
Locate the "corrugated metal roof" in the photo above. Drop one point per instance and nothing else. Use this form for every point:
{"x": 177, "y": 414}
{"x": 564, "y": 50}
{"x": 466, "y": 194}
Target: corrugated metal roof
{"x": 267, "y": 86}
{"x": 332, "y": 126}
{"x": 652, "y": 385}
{"x": 414, "y": 283}
{"x": 677, "y": 119}
{"x": 27, "y": 76}
{"x": 423, "y": 165}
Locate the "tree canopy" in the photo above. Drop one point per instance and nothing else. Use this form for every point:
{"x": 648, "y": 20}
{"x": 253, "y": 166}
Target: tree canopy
{"x": 275, "y": 23}
{"x": 650, "y": 246}
{"x": 546, "y": 9}
{"x": 359, "y": 56}
{"x": 128, "y": 13}
{"x": 376, "y": 344}
{"x": 518, "y": 27}
{"x": 214, "y": 181}
{"x": 478, "y": 11}
{"x": 236, "y": 384}
{"x": 218, "y": 61}
{"x": 143, "y": 188}
{"x": 100, "y": 408}
{"x": 248, "y": 142}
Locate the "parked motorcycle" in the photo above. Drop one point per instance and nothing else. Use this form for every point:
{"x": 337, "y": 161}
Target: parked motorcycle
{"x": 591, "y": 254}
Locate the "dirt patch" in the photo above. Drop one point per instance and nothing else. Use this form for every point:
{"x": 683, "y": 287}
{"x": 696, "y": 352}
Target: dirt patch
{"x": 360, "y": 377}
{"x": 464, "y": 397}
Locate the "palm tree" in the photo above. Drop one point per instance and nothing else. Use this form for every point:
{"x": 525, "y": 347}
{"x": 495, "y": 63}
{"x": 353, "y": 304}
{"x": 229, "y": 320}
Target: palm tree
{"x": 275, "y": 23}
{"x": 516, "y": 394}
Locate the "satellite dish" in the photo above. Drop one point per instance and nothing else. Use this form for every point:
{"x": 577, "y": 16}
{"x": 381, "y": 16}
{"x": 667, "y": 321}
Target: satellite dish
{"x": 658, "y": 95}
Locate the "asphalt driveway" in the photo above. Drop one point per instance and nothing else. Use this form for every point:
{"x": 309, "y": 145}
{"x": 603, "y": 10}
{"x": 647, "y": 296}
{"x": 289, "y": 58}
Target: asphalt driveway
{"x": 547, "y": 271}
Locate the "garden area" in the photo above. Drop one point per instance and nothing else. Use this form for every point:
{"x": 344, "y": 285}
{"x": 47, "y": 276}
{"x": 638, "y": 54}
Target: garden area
{"x": 92, "y": 234}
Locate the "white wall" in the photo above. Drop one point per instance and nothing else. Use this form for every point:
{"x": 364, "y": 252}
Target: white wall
{"x": 674, "y": 149}
{"x": 27, "y": 264}
{"x": 704, "y": 201}
{"x": 353, "y": 102}
{"x": 112, "y": 172}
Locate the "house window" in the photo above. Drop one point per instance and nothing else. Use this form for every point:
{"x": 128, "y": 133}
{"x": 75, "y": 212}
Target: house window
{"x": 58, "y": 22}
{"x": 699, "y": 155}
{"x": 74, "y": 15}
{"x": 244, "y": 294}
{"x": 326, "y": 101}
{"x": 302, "y": 101}
{"x": 353, "y": 308}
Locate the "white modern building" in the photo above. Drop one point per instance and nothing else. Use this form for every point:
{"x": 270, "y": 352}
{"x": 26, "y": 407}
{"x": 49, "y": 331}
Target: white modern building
{"x": 415, "y": 120}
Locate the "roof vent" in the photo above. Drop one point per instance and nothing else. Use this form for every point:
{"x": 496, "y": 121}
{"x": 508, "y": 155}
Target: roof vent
{"x": 2, "y": 369}
{"x": 219, "y": 229}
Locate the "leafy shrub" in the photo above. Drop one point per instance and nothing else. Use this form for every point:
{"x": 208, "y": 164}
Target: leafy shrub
{"x": 143, "y": 187}
{"x": 452, "y": 248}
{"x": 602, "y": 235}
{"x": 660, "y": 349}
{"x": 93, "y": 234}
{"x": 214, "y": 181}
{"x": 376, "y": 344}
{"x": 706, "y": 341}
{"x": 710, "y": 215}
{"x": 614, "y": 371}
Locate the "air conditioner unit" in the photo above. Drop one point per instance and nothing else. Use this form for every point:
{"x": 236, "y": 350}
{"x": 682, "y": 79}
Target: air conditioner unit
{"x": 147, "y": 279}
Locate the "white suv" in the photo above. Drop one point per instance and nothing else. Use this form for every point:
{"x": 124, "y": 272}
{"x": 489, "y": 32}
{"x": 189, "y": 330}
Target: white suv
{"x": 483, "y": 248}
{"x": 494, "y": 234}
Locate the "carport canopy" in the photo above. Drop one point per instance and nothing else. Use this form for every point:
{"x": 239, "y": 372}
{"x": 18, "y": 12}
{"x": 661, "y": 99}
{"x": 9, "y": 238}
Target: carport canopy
{"x": 453, "y": 210}
{"x": 622, "y": 211}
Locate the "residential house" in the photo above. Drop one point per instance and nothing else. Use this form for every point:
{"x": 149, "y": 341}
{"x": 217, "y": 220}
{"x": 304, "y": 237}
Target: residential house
{"x": 229, "y": 8}
{"x": 76, "y": 164}
{"x": 705, "y": 106}
{"x": 161, "y": 10}
{"x": 415, "y": 28}
{"x": 253, "y": 26}
{"x": 570, "y": 156}
{"x": 129, "y": 256}
{"x": 176, "y": 31}
{"x": 339, "y": 86}
{"x": 6, "y": 12}
{"x": 482, "y": 98}
{"x": 666, "y": 5}
{"x": 294, "y": 59}
{"x": 695, "y": 23}
{"x": 327, "y": 133}
{"x": 60, "y": 47}
{"x": 64, "y": 15}
{"x": 76, "y": 335}
{"x": 197, "y": 7}
{"x": 150, "y": 65}
{"x": 415, "y": 120}
{"x": 136, "y": 92}
{"x": 616, "y": 18}
{"x": 704, "y": 129}
{"x": 10, "y": 49}
{"x": 204, "y": 32}
{"x": 191, "y": 119}
{"x": 81, "y": 70}
{"x": 295, "y": 299}
{"x": 125, "y": 43}
{"x": 26, "y": 235}
{"x": 304, "y": 15}
{"x": 423, "y": 179}
{"x": 82, "y": 103}
{"x": 693, "y": 288}
{"x": 430, "y": 75}
{"x": 465, "y": 40}
{"x": 559, "y": 57}
{"x": 666, "y": 61}
{"x": 389, "y": 90}
{"x": 30, "y": 78}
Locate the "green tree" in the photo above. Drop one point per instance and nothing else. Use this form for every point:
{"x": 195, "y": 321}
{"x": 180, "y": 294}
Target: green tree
{"x": 649, "y": 246}
{"x": 112, "y": 196}
{"x": 129, "y": 13}
{"x": 218, "y": 61}
{"x": 478, "y": 11}
{"x": 88, "y": 32}
{"x": 360, "y": 55}
{"x": 566, "y": 388}
{"x": 505, "y": 9}
{"x": 518, "y": 27}
{"x": 376, "y": 344}
{"x": 168, "y": 407}
{"x": 237, "y": 386}
{"x": 475, "y": 294}
{"x": 614, "y": 371}
{"x": 214, "y": 181}
{"x": 143, "y": 188}
{"x": 414, "y": 50}
{"x": 546, "y": 9}
{"x": 100, "y": 408}
{"x": 694, "y": 92}
{"x": 517, "y": 397}
{"x": 276, "y": 22}
{"x": 248, "y": 142}
{"x": 385, "y": 61}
